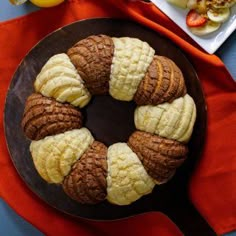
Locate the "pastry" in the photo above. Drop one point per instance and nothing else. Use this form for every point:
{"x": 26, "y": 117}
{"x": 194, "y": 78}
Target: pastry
{"x": 54, "y": 156}
{"x": 170, "y": 120}
{"x": 60, "y": 80}
{"x": 129, "y": 65}
{"x": 159, "y": 156}
{"x": 92, "y": 58}
{"x": 86, "y": 183}
{"x": 66, "y": 154}
{"x": 45, "y": 117}
{"x": 127, "y": 180}
{"x": 163, "y": 82}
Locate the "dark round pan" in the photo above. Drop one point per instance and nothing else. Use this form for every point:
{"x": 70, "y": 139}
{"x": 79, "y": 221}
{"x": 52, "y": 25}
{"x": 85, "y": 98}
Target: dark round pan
{"x": 110, "y": 121}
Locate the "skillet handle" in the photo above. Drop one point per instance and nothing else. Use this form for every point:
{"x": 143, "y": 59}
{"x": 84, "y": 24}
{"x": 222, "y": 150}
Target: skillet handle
{"x": 188, "y": 219}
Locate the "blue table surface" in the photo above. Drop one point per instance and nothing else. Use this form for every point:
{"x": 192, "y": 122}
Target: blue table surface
{"x": 12, "y": 224}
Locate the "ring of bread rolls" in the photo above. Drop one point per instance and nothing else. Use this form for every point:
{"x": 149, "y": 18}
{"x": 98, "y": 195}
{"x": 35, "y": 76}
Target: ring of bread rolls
{"x": 65, "y": 153}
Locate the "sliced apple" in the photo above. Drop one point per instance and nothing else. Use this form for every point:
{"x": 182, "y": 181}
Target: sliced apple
{"x": 179, "y": 3}
{"x": 208, "y": 28}
{"x": 219, "y": 15}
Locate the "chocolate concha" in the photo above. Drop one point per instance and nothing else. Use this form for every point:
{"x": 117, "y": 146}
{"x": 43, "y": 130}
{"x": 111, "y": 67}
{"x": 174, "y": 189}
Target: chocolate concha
{"x": 170, "y": 120}
{"x": 127, "y": 179}
{"x": 129, "y": 66}
{"x": 60, "y": 80}
{"x": 92, "y": 58}
{"x": 86, "y": 183}
{"x": 159, "y": 156}
{"x": 163, "y": 82}
{"x": 54, "y": 156}
{"x": 45, "y": 117}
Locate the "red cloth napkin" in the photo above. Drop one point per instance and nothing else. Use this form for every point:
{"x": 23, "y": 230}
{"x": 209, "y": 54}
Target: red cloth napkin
{"x": 213, "y": 185}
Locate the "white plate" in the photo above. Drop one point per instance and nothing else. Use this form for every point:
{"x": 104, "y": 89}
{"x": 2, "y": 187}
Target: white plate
{"x": 209, "y": 43}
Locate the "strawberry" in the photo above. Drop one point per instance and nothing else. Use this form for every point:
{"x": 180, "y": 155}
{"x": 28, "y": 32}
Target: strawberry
{"x": 194, "y": 19}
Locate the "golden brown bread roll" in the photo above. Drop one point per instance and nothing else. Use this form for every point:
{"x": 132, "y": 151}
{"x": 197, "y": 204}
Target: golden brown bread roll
{"x": 170, "y": 120}
{"x": 45, "y": 116}
{"x": 163, "y": 82}
{"x": 54, "y": 155}
{"x": 92, "y": 58}
{"x": 159, "y": 156}
{"x": 59, "y": 79}
{"x": 127, "y": 179}
{"x": 131, "y": 60}
{"x": 86, "y": 183}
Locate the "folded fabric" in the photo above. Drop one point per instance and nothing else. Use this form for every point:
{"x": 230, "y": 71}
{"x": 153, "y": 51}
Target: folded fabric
{"x": 213, "y": 185}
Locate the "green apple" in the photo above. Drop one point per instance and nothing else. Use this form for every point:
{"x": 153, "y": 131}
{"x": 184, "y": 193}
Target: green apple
{"x": 219, "y": 15}
{"x": 208, "y": 28}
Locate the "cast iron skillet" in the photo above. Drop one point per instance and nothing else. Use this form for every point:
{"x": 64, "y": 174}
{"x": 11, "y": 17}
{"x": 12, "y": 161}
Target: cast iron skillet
{"x": 110, "y": 121}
